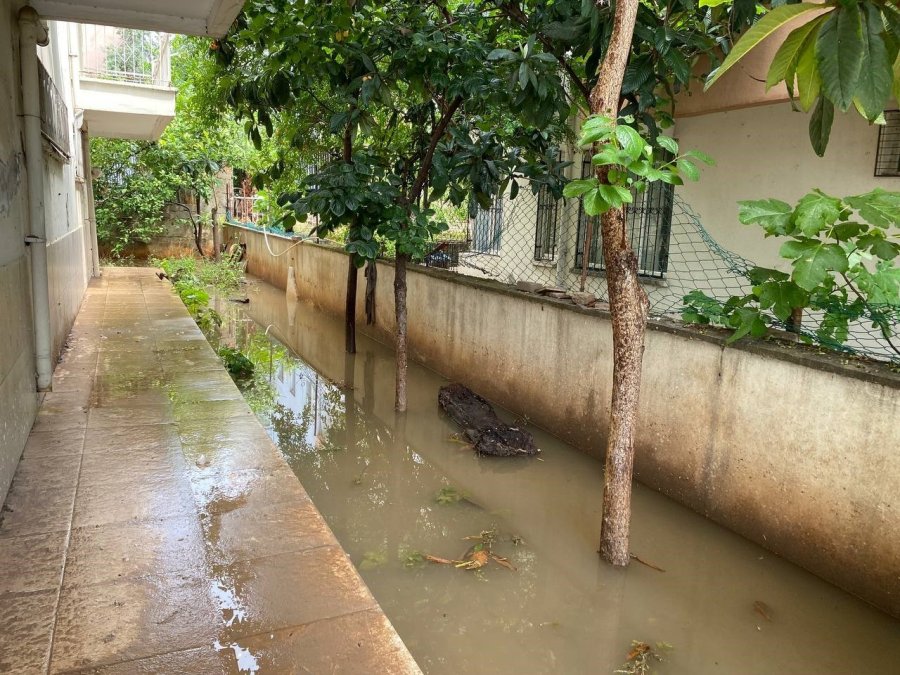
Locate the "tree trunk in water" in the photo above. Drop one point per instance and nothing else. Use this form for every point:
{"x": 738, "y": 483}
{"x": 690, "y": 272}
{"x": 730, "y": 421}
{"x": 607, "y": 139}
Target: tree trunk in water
{"x": 352, "y": 270}
{"x": 400, "y": 308}
{"x": 350, "y": 308}
{"x": 216, "y": 234}
{"x": 628, "y": 306}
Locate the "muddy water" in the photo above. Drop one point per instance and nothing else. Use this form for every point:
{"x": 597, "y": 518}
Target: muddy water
{"x": 394, "y": 490}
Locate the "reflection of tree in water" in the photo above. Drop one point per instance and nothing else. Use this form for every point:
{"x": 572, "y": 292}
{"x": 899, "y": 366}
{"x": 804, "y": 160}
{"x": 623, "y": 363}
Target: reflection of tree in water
{"x": 378, "y": 495}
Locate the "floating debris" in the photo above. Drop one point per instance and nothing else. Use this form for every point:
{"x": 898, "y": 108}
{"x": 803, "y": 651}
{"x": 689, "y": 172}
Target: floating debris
{"x": 478, "y": 555}
{"x": 642, "y": 656}
{"x": 763, "y": 610}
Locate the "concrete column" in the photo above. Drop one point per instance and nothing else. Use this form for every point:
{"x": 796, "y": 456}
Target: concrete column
{"x": 89, "y": 193}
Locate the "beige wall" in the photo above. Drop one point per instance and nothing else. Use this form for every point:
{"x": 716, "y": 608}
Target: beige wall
{"x": 793, "y": 450}
{"x": 765, "y": 152}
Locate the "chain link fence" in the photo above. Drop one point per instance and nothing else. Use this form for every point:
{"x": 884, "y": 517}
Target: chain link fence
{"x": 537, "y": 243}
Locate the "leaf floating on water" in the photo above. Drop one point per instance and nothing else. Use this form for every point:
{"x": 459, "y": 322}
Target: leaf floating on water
{"x": 503, "y": 562}
{"x": 642, "y": 656}
{"x": 763, "y": 610}
{"x": 439, "y": 561}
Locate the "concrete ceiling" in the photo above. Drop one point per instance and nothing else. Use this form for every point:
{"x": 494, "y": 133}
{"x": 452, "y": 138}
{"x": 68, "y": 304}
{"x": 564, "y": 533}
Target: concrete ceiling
{"x": 190, "y": 17}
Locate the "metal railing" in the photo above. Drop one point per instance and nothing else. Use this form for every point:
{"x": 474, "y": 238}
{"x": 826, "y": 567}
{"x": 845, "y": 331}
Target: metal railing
{"x": 245, "y": 209}
{"x": 54, "y": 115}
{"x": 125, "y": 55}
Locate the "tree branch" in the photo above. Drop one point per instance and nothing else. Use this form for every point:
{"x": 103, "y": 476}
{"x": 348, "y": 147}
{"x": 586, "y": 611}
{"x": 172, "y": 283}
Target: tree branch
{"x": 436, "y": 135}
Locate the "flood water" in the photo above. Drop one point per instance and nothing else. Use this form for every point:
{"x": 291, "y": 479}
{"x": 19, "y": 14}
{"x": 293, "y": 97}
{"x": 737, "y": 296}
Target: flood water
{"x": 395, "y": 490}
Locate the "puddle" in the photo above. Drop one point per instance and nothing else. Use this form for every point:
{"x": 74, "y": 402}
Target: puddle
{"x": 396, "y": 490}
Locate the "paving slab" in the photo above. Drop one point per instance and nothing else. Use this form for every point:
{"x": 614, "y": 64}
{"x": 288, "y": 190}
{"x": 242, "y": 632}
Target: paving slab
{"x": 153, "y": 527}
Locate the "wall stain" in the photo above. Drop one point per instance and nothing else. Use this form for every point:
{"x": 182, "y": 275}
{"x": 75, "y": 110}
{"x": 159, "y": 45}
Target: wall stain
{"x": 10, "y": 177}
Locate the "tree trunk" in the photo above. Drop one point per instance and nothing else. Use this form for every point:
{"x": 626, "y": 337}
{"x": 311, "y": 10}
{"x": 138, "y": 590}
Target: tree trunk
{"x": 350, "y": 309}
{"x": 628, "y": 306}
{"x": 400, "y": 309}
{"x": 352, "y": 270}
{"x": 216, "y": 234}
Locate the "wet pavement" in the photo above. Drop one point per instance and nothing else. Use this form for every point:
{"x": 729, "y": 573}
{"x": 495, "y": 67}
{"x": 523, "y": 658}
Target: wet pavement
{"x": 153, "y": 527}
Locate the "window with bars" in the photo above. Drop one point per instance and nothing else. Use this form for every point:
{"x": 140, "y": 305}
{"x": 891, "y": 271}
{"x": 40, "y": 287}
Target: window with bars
{"x": 887, "y": 159}
{"x": 546, "y": 224}
{"x": 488, "y": 228}
{"x": 649, "y": 224}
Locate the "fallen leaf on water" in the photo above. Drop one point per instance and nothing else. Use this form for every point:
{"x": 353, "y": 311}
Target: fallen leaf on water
{"x": 503, "y": 562}
{"x": 763, "y": 610}
{"x": 440, "y": 561}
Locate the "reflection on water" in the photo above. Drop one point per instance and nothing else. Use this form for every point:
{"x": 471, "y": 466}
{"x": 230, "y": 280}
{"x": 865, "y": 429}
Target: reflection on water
{"x": 394, "y": 489}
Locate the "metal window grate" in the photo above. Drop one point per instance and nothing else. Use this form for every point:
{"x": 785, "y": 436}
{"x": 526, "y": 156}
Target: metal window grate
{"x": 649, "y": 224}
{"x": 488, "y": 228}
{"x": 887, "y": 159}
{"x": 545, "y": 227}
{"x": 54, "y": 114}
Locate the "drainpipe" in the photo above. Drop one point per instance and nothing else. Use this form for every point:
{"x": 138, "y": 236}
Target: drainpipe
{"x": 89, "y": 192}
{"x": 32, "y": 33}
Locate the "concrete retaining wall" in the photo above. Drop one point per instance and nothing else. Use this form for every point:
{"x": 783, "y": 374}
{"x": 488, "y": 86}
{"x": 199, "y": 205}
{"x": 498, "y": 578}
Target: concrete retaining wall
{"x": 794, "y": 450}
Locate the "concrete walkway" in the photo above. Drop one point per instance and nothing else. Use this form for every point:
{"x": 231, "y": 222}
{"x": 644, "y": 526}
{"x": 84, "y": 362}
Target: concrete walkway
{"x": 152, "y": 526}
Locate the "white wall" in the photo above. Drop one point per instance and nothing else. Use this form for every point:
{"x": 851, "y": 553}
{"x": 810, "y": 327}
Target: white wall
{"x": 68, "y": 273}
{"x": 18, "y": 401}
{"x": 765, "y": 152}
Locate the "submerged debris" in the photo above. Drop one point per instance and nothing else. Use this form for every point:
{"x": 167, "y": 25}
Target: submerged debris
{"x": 449, "y": 495}
{"x": 642, "y": 657}
{"x": 488, "y": 433}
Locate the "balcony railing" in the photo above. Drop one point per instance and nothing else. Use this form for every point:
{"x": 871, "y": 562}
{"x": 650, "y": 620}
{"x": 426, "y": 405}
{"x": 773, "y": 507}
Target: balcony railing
{"x": 54, "y": 115}
{"x": 125, "y": 55}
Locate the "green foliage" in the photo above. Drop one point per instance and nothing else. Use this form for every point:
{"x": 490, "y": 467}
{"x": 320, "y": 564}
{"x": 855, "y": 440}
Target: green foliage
{"x": 191, "y": 277}
{"x": 846, "y": 54}
{"x": 630, "y": 163}
{"x": 138, "y": 179}
{"x": 426, "y": 103}
{"x": 843, "y": 255}
{"x": 238, "y": 365}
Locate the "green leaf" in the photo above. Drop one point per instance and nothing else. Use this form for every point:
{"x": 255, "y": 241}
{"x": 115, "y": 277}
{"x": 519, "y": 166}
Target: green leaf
{"x": 816, "y": 212}
{"x": 700, "y": 157}
{"x": 813, "y": 260}
{"x": 501, "y": 55}
{"x": 879, "y": 207}
{"x": 840, "y": 51}
{"x": 809, "y": 82}
{"x": 667, "y": 143}
{"x": 759, "y": 275}
{"x": 785, "y": 60}
{"x": 771, "y": 22}
{"x": 773, "y": 215}
{"x": 746, "y": 321}
{"x": 615, "y": 195}
{"x": 631, "y": 142}
{"x": 820, "y": 125}
{"x": 881, "y": 287}
{"x": 781, "y": 297}
{"x": 594, "y": 204}
{"x": 688, "y": 170}
{"x": 577, "y": 188}
{"x": 875, "y": 78}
